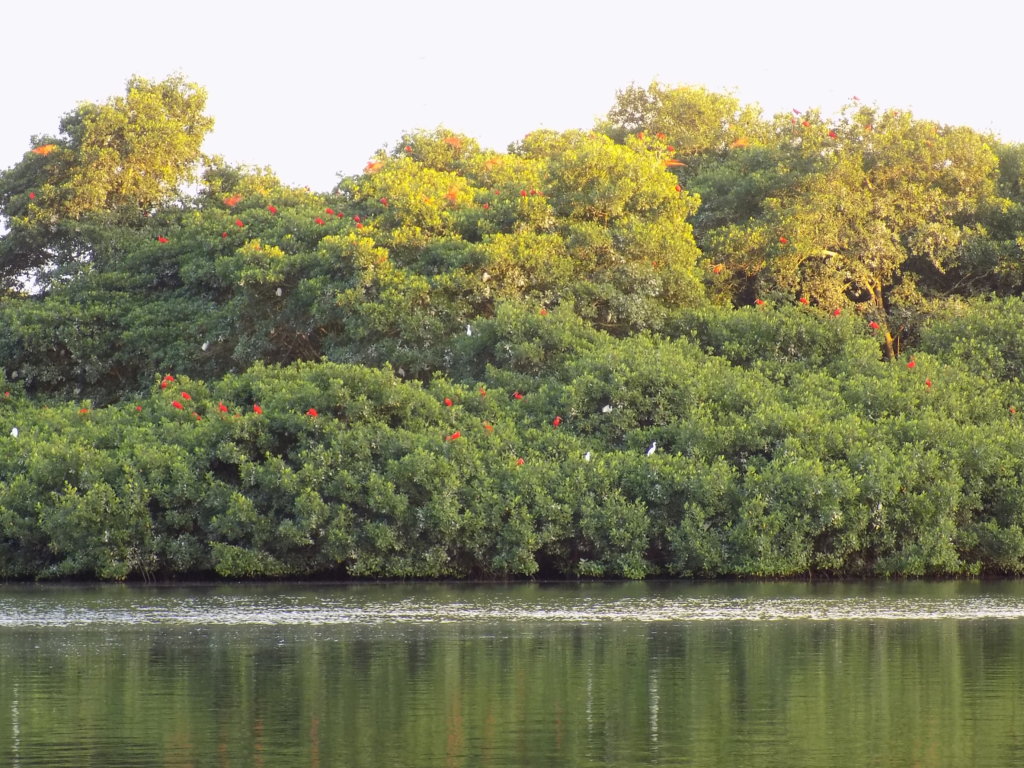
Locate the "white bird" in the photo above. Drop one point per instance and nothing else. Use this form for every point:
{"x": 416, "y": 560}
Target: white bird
{"x": 653, "y": 448}
{"x": 469, "y": 330}
{"x": 586, "y": 456}
{"x": 206, "y": 346}
{"x": 14, "y": 431}
{"x": 279, "y": 292}
{"x": 487, "y": 276}
{"x": 607, "y": 409}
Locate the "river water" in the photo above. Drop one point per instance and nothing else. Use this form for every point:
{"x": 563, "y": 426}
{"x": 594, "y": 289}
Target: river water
{"x": 568, "y": 675}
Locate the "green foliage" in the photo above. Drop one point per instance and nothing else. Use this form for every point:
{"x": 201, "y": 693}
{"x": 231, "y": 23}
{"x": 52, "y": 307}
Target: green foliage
{"x": 463, "y": 363}
{"x": 112, "y": 163}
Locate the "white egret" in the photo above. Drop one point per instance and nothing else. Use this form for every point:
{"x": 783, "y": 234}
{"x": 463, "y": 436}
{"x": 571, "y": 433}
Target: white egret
{"x": 653, "y": 448}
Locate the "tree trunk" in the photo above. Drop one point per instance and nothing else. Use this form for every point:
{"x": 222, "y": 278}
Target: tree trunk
{"x": 875, "y": 289}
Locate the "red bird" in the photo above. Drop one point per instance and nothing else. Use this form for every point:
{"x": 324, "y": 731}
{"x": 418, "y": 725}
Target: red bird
{"x": 272, "y": 208}
{"x": 448, "y": 402}
{"x": 488, "y": 427}
{"x": 186, "y": 396}
{"x": 784, "y": 240}
{"x": 312, "y": 413}
{"x": 256, "y": 409}
{"x": 874, "y": 326}
{"x": 31, "y": 195}
{"x": 833, "y": 135}
{"x": 911, "y": 364}
{"x": 162, "y": 239}
{"x": 178, "y": 405}
{"x": 837, "y": 312}
{"x": 44, "y": 150}
{"x": 803, "y": 300}
{"x": 319, "y": 221}
{"x": 928, "y": 383}
{"x": 238, "y": 223}
{"x": 454, "y": 436}
{"x": 516, "y": 396}
{"x": 520, "y": 462}
{"x": 222, "y": 408}
{"x": 556, "y": 421}
{"x": 759, "y": 302}
{"x": 232, "y": 201}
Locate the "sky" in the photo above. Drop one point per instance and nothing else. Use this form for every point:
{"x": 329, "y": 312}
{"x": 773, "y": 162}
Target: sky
{"x": 312, "y": 89}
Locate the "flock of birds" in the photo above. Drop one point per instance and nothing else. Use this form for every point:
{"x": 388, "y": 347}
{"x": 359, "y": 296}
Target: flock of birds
{"x": 586, "y": 457}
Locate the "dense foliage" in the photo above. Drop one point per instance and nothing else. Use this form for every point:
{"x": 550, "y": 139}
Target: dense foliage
{"x": 693, "y": 342}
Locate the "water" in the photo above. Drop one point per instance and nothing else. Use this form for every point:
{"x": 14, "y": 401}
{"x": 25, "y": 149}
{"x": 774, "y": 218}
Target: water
{"x": 789, "y": 674}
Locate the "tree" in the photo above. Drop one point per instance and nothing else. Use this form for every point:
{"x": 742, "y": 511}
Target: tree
{"x": 691, "y": 119}
{"x": 878, "y": 215}
{"x": 109, "y": 162}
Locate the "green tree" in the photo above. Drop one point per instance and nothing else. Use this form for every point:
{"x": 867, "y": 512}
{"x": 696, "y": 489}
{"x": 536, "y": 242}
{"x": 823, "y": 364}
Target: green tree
{"x": 877, "y": 220}
{"x": 115, "y": 161}
{"x": 692, "y": 120}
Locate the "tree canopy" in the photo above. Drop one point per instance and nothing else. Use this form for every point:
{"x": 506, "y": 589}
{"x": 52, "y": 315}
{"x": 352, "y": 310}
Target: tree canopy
{"x": 110, "y": 163}
{"x": 694, "y": 341}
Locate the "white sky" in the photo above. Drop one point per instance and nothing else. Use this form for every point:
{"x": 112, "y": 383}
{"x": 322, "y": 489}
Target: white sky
{"x": 312, "y": 88}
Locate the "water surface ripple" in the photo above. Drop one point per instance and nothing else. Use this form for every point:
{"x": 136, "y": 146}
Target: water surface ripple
{"x": 336, "y": 608}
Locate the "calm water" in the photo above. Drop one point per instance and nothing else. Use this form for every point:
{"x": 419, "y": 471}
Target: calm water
{"x": 909, "y": 674}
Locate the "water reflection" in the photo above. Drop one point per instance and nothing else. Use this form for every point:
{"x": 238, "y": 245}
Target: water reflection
{"x": 525, "y": 675}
